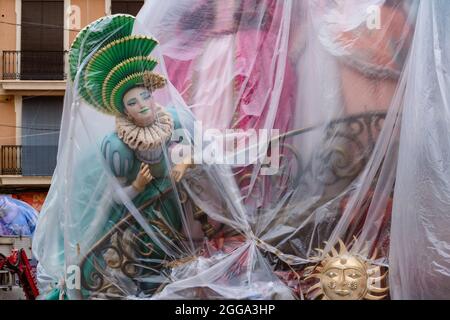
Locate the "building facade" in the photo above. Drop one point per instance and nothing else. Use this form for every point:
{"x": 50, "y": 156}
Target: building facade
{"x": 36, "y": 36}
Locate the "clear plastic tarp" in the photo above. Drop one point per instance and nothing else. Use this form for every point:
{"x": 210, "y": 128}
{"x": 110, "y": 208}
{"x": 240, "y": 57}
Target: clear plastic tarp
{"x": 213, "y": 162}
{"x": 17, "y": 218}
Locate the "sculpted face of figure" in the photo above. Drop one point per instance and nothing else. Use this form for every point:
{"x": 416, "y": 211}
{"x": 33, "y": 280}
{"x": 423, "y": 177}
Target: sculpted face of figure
{"x": 140, "y": 106}
{"x": 344, "y": 278}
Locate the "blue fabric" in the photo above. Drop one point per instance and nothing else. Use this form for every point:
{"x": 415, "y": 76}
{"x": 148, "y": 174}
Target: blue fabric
{"x": 17, "y": 218}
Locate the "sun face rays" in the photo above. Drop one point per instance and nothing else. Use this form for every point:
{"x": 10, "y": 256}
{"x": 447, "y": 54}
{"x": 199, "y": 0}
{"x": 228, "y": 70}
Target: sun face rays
{"x": 344, "y": 275}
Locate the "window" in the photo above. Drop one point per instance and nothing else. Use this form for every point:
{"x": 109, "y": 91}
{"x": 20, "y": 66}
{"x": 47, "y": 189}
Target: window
{"x": 42, "y": 40}
{"x": 123, "y": 6}
{"x": 41, "y": 120}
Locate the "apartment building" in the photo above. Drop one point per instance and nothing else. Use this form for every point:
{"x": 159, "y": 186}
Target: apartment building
{"x": 35, "y": 39}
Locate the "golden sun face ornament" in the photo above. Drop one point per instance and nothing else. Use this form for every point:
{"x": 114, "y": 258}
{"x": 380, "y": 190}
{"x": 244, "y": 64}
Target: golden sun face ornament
{"x": 345, "y": 276}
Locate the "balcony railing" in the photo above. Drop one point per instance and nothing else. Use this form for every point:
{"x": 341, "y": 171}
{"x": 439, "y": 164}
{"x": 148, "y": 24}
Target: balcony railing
{"x": 11, "y": 160}
{"x": 34, "y": 65}
{"x": 28, "y": 160}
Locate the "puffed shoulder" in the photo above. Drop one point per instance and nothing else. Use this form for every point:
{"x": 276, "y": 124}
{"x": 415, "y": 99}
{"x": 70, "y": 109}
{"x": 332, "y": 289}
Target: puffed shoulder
{"x": 118, "y": 155}
{"x": 182, "y": 118}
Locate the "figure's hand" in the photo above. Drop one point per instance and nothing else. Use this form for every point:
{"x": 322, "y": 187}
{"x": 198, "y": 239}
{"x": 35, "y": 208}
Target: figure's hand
{"x": 179, "y": 170}
{"x": 143, "y": 178}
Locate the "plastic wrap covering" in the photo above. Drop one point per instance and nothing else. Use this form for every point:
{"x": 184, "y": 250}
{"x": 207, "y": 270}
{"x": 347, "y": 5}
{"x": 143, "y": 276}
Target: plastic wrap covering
{"x": 208, "y": 148}
{"x": 17, "y": 218}
{"x": 419, "y": 259}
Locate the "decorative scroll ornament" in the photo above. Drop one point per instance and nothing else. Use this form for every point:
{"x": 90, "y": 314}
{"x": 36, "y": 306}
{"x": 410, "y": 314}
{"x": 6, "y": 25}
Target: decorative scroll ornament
{"x": 345, "y": 276}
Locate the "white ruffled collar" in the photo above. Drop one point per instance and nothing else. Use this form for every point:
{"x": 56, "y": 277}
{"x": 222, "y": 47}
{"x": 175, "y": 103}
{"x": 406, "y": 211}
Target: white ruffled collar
{"x": 145, "y": 138}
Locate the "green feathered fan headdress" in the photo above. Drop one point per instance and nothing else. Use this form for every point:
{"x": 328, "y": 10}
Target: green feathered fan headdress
{"x": 108, "y": 61}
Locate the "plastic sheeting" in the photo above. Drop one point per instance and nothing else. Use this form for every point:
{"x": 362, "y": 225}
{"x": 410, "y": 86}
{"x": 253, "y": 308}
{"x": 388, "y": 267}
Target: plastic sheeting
{"x": 357, "y": 93}
{"x": 419, "y": 259}
{"x": 17, "y": 218}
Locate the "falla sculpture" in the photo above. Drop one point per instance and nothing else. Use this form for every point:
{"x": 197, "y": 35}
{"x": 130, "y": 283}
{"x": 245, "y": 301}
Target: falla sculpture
{"x": 344, "y": 275}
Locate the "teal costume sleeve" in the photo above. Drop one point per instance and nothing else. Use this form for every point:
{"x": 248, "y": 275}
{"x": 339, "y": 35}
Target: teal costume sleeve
{"x": 183, "y": 119}
{"x": 119, "y": 157}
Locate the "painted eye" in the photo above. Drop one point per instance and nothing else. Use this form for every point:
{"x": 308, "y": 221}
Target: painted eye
{"x": 146, "y": 95}
{"x": 331, "y": 274}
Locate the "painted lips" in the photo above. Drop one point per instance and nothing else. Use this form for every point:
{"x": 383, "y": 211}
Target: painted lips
{"x": 342, "y": 293}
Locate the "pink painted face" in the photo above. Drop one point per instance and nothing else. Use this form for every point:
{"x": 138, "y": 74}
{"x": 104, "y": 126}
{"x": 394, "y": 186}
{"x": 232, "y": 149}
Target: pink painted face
{"x": 140, "y": 106}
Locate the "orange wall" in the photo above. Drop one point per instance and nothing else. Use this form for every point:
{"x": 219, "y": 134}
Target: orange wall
{"x": 7, "y": 122}
{"x": 8, "y": 118}
{"x": 90, "y": 10}
{"x": 7, "y": 26}
{"x": 7, "y": 42}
